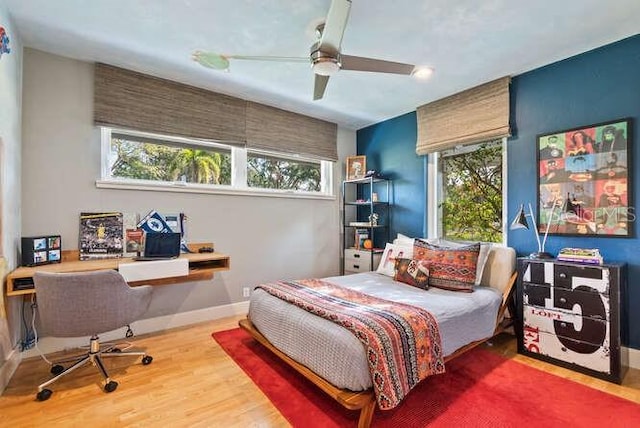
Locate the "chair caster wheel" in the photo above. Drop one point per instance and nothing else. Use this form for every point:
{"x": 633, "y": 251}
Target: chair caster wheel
{"x": 146, "y": 360}
{"x": 44, "y": 395}
{"x": 111, "y": 386}
{"x": 57, "y": 369}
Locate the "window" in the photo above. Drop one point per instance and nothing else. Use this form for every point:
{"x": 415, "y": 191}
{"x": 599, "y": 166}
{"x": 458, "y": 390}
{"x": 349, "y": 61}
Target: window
{"x": 277, "y": 172}
{"x": 470, "y": 193}
{"x": 143, "y": 159}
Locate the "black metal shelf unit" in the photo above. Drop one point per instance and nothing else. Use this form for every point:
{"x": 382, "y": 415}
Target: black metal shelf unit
{"x": 365, "y": 206}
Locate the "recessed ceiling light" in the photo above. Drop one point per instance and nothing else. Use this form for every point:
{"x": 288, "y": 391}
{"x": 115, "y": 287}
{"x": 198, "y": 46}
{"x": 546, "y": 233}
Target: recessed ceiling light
{"x": 422, "y": 72}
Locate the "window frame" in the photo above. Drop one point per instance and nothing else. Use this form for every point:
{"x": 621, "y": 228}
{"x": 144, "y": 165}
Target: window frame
{"x": 435, "y": 191}
{"x": 239, "y": 156}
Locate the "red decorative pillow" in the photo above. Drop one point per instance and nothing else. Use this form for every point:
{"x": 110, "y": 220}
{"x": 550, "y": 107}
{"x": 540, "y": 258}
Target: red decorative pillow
{"x": 412, "y": 272}
{"x": 449, "y": 268}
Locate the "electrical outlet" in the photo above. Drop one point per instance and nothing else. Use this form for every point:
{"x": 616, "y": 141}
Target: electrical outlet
{"x": 246, "y": 292}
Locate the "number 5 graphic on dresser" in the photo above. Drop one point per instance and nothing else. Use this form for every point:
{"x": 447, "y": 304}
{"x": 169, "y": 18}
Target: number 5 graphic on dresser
{"x": 591, "y": 336}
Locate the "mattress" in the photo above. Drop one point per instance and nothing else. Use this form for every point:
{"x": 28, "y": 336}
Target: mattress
{"x": 335, "y": 354}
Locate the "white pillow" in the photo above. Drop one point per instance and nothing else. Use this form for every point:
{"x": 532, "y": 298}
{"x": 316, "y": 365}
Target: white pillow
{"x": 406, "y": 240}
{"x": 388, "y": 259}
{"x": 403, "y": 240}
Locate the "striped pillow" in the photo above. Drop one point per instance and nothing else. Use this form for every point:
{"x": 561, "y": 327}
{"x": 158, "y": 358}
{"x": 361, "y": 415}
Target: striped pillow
{"x": 449, "y": 268}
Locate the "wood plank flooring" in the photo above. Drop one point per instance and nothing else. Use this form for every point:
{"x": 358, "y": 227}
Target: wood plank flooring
{"x": 191, "y": 383}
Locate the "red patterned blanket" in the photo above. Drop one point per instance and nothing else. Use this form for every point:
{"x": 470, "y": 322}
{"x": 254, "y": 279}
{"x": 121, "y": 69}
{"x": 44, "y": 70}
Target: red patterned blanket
{"x": 402, "y": 342}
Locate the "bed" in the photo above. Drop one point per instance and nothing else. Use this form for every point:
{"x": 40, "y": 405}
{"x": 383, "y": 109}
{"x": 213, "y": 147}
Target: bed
{"x": 334, "y": 359}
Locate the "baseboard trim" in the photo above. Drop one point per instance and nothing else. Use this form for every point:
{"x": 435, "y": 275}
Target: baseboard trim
{"x": 8, "y": 368}
{"x": 48, "y": 345}
{"x": 633, "y": 357}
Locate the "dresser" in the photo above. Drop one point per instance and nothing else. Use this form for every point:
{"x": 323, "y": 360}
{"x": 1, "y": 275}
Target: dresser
{"x": 570, "y": 314}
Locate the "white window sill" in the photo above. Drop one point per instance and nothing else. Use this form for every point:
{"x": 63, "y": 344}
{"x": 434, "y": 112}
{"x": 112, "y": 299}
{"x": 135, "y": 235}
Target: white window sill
{"x": 195, "y": 188}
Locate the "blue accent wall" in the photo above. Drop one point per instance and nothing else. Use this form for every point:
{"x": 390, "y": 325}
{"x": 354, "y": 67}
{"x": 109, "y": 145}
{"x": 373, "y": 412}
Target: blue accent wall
{"x": 597, "y": 86}
{"x": 390, "y": 147}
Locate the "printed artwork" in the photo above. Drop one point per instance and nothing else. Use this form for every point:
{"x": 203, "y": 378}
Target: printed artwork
{"x": 583, "y": 181}
{"x": 101, "y": 235}
{"x": 4, "y": 42}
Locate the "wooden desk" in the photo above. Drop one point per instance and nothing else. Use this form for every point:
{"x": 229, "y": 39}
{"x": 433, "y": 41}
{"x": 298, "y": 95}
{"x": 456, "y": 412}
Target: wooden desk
{"x": 201, "y": 267}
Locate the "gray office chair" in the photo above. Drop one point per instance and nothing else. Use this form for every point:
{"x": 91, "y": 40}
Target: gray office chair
{"x": 86, "y": 304}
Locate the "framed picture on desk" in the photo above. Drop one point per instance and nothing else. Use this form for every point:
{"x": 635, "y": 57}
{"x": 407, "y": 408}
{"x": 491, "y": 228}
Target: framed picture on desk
{"x": 41, "y": 250}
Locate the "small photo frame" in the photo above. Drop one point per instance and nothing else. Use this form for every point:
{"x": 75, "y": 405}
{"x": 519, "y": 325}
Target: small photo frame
{"x": 54, "y": 242}
{"x": 40, "y": 244}
{"x": 54, "y": 256}
{"x": 356, "y": 167}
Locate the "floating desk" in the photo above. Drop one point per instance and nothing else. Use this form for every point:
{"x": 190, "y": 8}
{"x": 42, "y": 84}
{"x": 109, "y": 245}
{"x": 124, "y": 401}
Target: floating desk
{"x": 202, "y": 266}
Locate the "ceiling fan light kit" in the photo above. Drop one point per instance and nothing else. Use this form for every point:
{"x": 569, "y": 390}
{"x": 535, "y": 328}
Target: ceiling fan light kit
{"x": 325, "y": 55}
{"x": 422, "y": 72}
{"x": 324, "y": 63}
{"x": 211, "y": 60}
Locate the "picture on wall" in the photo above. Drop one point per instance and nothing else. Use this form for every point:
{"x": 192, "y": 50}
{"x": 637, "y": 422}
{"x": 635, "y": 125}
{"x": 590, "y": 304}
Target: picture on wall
{"x": 356, "y": 167}
{"x": 584, "y": 183}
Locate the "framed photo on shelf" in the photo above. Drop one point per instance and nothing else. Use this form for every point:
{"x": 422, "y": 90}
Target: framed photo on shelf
{"x": 584, "y": 182}
{"x": 356, "y": 167}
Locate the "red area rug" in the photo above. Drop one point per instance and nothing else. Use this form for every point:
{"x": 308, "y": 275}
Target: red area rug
{"x": 480, "y": 389}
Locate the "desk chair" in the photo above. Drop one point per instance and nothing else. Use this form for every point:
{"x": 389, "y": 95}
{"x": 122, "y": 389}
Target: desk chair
{"x": 86, "y": 304}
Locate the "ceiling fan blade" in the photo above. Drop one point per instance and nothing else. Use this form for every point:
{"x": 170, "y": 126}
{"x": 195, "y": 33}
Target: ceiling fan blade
{"x": 218, "y": 61}
{"x": 334, "y": 26}
{"x": 358, "y": 63}
{"x": 271, "y": 58}
{"x": 319, "y": 86}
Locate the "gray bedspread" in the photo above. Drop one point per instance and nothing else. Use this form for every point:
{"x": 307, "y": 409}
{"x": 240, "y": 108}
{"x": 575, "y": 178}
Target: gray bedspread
{"x": 335, "y": 354}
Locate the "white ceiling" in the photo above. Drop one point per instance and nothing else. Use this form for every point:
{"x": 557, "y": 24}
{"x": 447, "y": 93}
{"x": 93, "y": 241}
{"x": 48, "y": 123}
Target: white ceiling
{"x": 467, "y": 42}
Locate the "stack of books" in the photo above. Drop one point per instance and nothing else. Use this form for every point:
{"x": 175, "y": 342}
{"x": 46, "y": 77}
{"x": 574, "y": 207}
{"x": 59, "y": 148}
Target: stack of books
{"x": 580, "y": 255}
{"x": 361, "y": 236}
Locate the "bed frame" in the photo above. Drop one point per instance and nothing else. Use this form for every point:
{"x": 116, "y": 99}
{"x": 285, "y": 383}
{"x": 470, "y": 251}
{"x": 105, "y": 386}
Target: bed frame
{"x": 365, "y": 401}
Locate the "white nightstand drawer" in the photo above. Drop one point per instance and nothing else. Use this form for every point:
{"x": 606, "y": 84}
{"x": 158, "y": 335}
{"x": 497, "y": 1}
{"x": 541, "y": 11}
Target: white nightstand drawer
{"x": 360, "y": 260}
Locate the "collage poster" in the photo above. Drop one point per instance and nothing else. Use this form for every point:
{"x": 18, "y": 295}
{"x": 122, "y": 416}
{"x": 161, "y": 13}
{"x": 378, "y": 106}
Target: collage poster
{"x": 583, "y": 181}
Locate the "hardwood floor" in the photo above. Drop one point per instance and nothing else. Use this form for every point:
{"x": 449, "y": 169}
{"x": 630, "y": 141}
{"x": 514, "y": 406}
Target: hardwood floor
{"x": 191, "y": 383}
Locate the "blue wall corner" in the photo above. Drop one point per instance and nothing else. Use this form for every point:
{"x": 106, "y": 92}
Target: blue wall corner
{"x": 390, "y": 147}
{"x": 597, "y": 86}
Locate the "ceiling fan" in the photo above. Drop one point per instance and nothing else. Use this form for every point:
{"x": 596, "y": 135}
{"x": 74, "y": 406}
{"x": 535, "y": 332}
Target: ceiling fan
{"x": 325, "y": 55}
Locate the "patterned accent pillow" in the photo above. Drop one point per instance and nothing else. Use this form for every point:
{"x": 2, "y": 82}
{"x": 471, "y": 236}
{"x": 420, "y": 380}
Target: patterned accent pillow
{"x": 412, "y": 272}
{"x": 449, "y": 268}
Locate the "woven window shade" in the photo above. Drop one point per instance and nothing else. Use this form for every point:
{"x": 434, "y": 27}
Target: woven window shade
{"x": 269, "y": 128}
{"x": 472, "y": 116}
{"x": 132, "y": 100}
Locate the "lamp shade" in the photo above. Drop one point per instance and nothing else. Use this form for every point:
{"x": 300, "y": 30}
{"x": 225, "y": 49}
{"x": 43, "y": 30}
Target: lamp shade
{"x": 520, "y": 221}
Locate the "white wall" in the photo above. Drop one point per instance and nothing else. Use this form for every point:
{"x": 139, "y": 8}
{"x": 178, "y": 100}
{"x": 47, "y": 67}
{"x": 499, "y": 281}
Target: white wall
{"x": 10, "y": 141}
{"x": 266, "y": 238}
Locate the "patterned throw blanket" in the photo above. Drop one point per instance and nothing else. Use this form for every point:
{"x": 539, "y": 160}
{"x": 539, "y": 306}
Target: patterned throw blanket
{"x": 402, "y": 342}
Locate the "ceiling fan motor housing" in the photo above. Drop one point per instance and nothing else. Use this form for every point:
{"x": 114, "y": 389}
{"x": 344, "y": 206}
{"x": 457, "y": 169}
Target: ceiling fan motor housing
{"x": 324, "y": 63}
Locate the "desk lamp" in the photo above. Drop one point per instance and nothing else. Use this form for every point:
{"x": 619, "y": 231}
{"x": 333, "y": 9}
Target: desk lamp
{"x": 520, "y": 222}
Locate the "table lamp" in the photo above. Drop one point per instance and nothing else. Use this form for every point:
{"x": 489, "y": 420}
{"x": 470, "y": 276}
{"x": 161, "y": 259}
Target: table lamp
{"x": 520, "y": 222}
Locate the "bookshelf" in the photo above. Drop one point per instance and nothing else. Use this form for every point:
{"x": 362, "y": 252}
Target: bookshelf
{"x": 365, "y": 217}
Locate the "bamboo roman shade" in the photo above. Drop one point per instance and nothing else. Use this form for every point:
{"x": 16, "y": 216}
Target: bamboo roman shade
{"x": 472, "y": 116}
{"x": 269, "y": 128}
{"x": 131, "y": 100}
